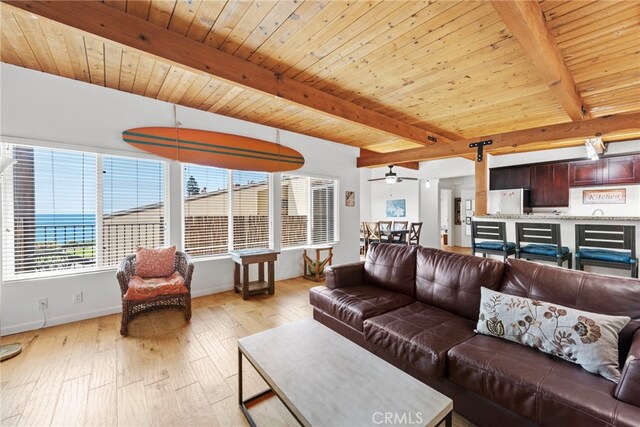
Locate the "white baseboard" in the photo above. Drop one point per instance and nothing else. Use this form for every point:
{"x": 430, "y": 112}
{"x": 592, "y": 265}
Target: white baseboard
{"x": 53, "y": 321}
{"x": 30, "y": 326}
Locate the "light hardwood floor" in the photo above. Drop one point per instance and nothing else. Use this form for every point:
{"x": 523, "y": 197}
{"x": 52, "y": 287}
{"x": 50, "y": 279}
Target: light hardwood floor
{"x": 165, "y": 373}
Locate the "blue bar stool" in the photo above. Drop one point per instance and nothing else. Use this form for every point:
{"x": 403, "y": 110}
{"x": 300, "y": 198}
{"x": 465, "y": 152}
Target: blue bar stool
{"x": 612, "y": 246}
{"x": 544, "y": 243}
{"x": 494, "y": 239}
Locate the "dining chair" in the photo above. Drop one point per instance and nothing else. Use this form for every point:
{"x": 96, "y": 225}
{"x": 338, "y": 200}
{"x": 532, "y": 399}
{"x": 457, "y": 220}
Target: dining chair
{"x": 363, "y": 237}
{"x": 385, "y": 226}
{"x": 400, "y": 225}
{"x": 373, "y": 234}
{"x": 414, "y": 233}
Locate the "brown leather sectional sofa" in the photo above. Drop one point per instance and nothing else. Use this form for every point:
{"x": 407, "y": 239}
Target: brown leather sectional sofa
{"x": 417, "y": 308}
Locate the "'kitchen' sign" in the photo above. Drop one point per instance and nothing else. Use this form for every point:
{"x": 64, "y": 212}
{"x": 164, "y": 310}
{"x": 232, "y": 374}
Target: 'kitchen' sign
{"x": 605, "y": 197}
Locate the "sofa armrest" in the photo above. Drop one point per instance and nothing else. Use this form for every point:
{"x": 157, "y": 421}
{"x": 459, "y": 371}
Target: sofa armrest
{"x": 628, "y": 389}
{"x": 345, "y": 275}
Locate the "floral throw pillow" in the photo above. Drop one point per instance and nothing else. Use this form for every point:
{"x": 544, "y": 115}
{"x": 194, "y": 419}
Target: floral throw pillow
{"x": 588, "y": 339}
{"x": 160, "y": 262}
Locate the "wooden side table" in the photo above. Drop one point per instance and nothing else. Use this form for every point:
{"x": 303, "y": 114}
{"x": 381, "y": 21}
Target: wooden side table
{"x": 317, "y": 262}
{"x": 242, "y": 260}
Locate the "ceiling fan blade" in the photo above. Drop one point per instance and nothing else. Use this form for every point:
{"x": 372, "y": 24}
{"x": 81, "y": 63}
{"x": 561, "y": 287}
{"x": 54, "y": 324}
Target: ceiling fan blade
{"x": 406, "y": 178}
{"x": 376, "y": 179}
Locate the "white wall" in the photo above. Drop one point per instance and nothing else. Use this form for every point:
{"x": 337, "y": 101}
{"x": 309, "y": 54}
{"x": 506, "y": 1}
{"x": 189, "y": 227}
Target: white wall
{"x": 630, "y": 208}
{"x": 41, "y": 108}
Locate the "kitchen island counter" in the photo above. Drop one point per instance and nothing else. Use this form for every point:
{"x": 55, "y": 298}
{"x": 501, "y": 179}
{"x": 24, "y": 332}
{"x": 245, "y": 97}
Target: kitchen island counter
{"x": 568, "y": 230}
{"x": 534, "y": 217}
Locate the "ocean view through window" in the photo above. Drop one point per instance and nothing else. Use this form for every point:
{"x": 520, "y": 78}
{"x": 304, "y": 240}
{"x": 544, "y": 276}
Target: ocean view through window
{"x": 50, "y": 201}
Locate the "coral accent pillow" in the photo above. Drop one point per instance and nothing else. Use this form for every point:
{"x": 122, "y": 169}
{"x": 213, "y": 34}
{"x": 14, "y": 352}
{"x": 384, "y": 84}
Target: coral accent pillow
{"x": 587, "y": 339}
{"x": 160, "y": 262}
{"x": 142, "y": 289}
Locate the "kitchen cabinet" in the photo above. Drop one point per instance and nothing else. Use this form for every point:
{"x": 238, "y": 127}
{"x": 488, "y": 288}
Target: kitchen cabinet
{"x": 621, "y": 170}
{"x": 607, "y": 171}
{"x": 550, "y": 185}
{"x": 586, "y": 173}
{"x": 510, "y": 177}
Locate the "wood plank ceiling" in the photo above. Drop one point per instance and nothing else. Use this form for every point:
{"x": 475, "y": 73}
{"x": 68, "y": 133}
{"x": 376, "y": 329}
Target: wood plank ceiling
{"x": 452, "y": 65}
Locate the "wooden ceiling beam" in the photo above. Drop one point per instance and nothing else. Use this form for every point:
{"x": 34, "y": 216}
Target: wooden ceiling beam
{"x": 409, "y": 165}
{"x": 132, "y": 32}
{"x": 526, "y": 21}
{"x": 520, "y": 139}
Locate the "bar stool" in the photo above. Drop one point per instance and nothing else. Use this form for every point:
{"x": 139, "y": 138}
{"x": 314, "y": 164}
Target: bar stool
{"x": 603, "y": 245}
{"x": 494, "y": 239}
{"x": 546, "y": 243}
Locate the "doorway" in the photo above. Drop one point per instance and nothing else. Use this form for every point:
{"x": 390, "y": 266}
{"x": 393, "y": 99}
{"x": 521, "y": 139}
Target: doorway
{"x": 445, "y": 217}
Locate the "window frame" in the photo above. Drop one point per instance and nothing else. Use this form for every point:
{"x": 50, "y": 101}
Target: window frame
{"x": 336, "y": 209}
{"x": 99, "y": 267}
{"x": 230, "y": 190}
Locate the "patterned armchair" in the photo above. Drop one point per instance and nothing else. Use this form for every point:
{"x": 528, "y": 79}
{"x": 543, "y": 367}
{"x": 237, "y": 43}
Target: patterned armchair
{"x": 166, "y": 292}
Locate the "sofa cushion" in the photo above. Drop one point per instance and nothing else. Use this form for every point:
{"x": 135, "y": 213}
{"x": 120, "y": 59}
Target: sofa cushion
{"x": 605, "y": 255}
{"x": 419, "y": 334}
{"x": 549, "y": 250}
{"x": 392, "y": 267}
{"x": 587, "y": 339}
{"x": 353, "y": 305}
{"x": 535, "y": 385}
{"x": 452, "y": 282}
{"x": 617, "y": 296}
{"x": 495, "y": 246}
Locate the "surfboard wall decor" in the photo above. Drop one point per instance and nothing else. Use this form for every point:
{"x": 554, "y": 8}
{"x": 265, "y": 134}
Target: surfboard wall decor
{"x": 217, "y": 149}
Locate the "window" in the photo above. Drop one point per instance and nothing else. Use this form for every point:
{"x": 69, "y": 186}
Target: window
{"x": 250, "y": 210}
{"x": 48, "y": 211}
{"x": 308, "y": 211}
{"x": 206, "y": 210}
{"x": 66, "y": 210}
{"x": 133, "y": 211}
{"x": 211, "y": 211}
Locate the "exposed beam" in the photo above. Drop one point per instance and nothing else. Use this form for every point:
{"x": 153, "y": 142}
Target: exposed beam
{"x": 132, "y": 32}
{"x": 409, "y": 165}
{"x": 481, "y": 187}
{"x": 526, "y": 21}
{"x": 608, "y": 125}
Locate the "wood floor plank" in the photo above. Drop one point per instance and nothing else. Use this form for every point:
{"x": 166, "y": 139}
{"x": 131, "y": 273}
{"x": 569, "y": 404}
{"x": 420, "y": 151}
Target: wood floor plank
{"x": 13, "y": 400}
{"x": 72, "y": 403}
{"x": 132, "y": 405}
{"x": 196, "y": 410}
{"x": 104, "y": 369}
{"x": 162, "y": 404}
{"x": 102, "y": 406}
{"x": 211, "y": 380}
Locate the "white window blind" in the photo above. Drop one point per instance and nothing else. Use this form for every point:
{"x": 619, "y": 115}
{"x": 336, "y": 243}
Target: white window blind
{"x": 294, "y": 211}
{"x": 308, "y": 211}
{"x": 133, "y": 206}
{"x": 206, "y": 210}
{"x": 323, "y": 221}
{"x": 48, "y": 211}
{"x": 250, "y": 210}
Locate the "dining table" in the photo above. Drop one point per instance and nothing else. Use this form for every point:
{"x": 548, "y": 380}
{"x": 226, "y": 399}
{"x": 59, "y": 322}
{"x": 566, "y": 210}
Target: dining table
{"x": 395, "y": 236}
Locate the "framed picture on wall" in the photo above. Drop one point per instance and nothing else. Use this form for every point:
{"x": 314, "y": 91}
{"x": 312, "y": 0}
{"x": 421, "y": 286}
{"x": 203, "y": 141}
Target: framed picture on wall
{"x": 350, "y": 198}
{"x": 457, "y": 202}
{"x": 396, "y": 208}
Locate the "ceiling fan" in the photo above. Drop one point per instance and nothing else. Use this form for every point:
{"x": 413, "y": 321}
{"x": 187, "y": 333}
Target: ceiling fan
{"x": 391, "y": 177}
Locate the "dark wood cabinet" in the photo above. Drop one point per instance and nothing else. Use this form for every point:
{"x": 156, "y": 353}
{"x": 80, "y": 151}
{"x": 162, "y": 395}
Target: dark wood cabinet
{"x": 608, "y": 171}
{"x": 585, "y": 173}
{"x": 509, "y": 177}
{"x": 621, "y": 170}
{"x": 550, "y": 185}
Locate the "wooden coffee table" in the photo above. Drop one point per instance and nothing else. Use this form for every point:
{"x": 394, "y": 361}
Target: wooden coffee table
{"x": 326, "y": 380}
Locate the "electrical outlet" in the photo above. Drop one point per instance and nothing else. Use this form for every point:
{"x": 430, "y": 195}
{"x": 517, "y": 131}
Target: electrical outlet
{"x": 43, "y": 303}
{"x": 77, "y": 297}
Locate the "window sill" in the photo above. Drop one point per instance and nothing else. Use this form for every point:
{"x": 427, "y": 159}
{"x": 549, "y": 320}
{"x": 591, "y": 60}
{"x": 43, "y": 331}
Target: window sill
{"x": 62, "y": 275}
